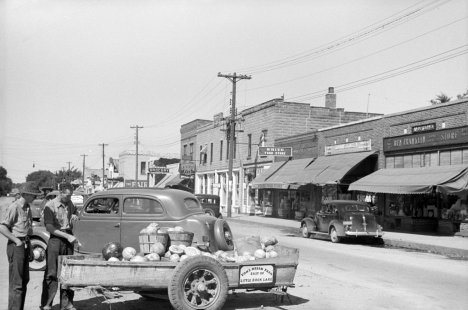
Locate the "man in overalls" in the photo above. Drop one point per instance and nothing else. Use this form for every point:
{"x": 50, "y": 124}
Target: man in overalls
{"x": 16, "y": 226}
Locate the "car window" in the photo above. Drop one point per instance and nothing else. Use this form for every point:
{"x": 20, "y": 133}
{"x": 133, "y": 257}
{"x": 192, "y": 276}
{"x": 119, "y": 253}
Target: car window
{"x": 191, "y": 204}
{"x": 103, "y": 205}
{"x": 142, "y": 206}
{"x": 357, "y": 208}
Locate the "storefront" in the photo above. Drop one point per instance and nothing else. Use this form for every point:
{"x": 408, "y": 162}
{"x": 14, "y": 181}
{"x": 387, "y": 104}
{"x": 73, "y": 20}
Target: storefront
{"x": 277, "y": 196}
{"x": 423, "y": 187}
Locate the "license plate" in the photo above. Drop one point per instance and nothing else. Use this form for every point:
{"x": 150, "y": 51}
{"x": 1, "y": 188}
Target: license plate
{"x": 256, "y": 274}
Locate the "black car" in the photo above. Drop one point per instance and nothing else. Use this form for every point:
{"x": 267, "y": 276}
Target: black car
{"x": 210, "y": 204}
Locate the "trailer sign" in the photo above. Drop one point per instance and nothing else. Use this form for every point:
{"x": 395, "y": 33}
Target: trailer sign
{"x": 256, "y": 274}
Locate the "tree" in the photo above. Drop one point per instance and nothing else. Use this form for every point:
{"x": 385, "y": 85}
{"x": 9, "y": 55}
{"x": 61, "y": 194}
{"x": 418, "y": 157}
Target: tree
{"x": 464, "y": 95}
{"x": 442, "y": 98}
{"x": 43, "y": 178}
{"x": 5, "y": 182}
{"x": 68, "y": 175}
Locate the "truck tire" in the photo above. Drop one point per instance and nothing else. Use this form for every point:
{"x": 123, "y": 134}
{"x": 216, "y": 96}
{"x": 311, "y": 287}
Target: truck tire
{"x": 223, "y": 235}
{"x": 334, "y": 235}
{"x": 198, "y": 282}
{"x": 39, "y": 263}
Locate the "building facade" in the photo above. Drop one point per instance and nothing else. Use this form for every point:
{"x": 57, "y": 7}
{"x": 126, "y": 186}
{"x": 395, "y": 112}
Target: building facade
{"x": 206, "y": 143}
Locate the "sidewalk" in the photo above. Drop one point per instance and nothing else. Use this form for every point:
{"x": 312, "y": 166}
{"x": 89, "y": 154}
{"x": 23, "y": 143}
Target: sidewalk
{"x": 445, "y": 245}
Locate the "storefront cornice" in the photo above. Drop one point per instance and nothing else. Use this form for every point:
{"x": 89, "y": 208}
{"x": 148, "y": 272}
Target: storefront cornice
{"x": 362, "y": 121}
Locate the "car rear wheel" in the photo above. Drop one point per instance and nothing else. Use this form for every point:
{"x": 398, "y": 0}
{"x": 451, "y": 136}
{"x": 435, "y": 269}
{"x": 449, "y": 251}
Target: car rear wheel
{"x": 305, "y": 231}
{"x": 39, "y": 248}
{"x": 223, "y": 235}
{"x": 334, "y": 236}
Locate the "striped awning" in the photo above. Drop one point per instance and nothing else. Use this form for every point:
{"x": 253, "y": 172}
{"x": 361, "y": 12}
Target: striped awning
{"x": 281, "y": 174}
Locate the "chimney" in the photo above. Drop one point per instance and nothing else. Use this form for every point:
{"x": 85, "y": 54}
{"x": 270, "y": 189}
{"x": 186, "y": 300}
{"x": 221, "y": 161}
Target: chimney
{"x": 330, "y": 99}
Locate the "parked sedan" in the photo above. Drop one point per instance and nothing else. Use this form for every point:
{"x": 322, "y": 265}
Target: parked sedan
{"x": 120, "y": 214}
{"x": 340, "y": 219}
{"x": 210, "y": 204}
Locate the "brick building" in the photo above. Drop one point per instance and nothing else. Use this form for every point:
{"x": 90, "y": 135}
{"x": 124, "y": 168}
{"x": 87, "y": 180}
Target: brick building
{"x": 430, "y": 143}
{"x": 205, "y": 142}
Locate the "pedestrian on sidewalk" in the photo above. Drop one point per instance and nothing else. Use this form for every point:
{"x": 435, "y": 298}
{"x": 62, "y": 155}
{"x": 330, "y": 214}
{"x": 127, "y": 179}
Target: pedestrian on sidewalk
{"x": 16, "y": 226}
{"x": 59, "y": 214}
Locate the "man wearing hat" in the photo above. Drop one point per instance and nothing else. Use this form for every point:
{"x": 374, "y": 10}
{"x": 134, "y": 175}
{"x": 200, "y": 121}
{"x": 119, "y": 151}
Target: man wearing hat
{"x": 16, "y": 226}
{"x": 15, "y": 193}
{"x": 59, "y": 214}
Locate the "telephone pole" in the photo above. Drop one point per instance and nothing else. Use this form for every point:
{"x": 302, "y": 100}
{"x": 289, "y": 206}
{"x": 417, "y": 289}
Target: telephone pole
{"x": 103, "y": 170}
{"x": 84, "y": 159}
{"x": 232, "y": 127}
{"x": 68, "y": 172}
{"x": 136, "y": 161}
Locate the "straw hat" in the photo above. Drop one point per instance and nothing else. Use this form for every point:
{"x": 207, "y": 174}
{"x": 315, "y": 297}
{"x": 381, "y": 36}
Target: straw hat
{"x": 31, "y": 188}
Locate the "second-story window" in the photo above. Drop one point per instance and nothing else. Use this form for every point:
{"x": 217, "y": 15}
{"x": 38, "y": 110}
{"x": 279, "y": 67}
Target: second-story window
{"x": 221, "y": 150}
{"x": 235, "y": 147}
{"x": 249, "y": 145}
{"x": 143, "y": 167}
{"x": 201, "y": 154}
{"x": 191, "y": 151}
{"x": 211, "y": 153}
{"x": 185, "y": 150}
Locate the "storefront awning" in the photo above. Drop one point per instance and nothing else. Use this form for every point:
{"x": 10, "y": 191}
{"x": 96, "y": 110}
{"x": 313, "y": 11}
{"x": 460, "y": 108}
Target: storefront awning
{"x": 169, "y": 179}
{"x": 281, "y": 174}
{"x": 419, "y": 180}
{"x": 330, "y": 169}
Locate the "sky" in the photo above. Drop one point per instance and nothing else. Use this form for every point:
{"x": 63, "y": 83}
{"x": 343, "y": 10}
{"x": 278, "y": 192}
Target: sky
{"x": 78, "y": 73}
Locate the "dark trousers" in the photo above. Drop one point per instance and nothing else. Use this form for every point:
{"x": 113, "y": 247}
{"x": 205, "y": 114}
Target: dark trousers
{"x": 55, "y": 247}
{"x": 18, "y": 260}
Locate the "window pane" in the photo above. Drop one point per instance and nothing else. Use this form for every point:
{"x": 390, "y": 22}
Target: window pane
{"x": 434, "y": 159}
{"x": 417, "y": 160}
{"x": 103, "y": 206}
{"x": 465, "y": 156}
{"x": 408, "y": 161}
{"x": 456, "y": 157}
{"x": 142, "y": 206}
{"x": 444, "y": 158}
{"x": 192, "y": 204}
{"x": 427, "y": 160}
{"x": 398, "y": 161}
{"x": 390, "y": 162}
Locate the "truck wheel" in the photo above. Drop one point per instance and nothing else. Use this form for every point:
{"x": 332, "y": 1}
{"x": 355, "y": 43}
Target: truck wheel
{"x": 305, "y": 231}
{"x": 334, "y": 235}
{"x": 223, "y": 235}
{"x": 198, "y": 282}
{"x": 39, "y": 248}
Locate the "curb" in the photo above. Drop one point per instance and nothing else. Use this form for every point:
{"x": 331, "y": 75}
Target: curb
{"x": 435, "y": 249}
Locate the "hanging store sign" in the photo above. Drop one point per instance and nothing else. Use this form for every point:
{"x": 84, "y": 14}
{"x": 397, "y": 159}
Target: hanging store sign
{"x": 442, "y": 137}
{"x": 187, "y": 169}
{"x": 158, "y": 170}
{"x": 351, "y": 147}
{"x": 274, "y": 151}
{"x": 426, "y": 127}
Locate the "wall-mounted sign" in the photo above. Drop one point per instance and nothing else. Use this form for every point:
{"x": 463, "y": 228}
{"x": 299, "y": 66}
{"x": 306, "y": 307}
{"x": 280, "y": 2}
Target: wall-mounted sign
{"x": 351, "y": 147}
{"x": 427, "y": 139}
{"x": 187, "y": 157}
{"x": 274, "y": 151}
{"x": 132, "y": 183}
{"x": 426, "y": 127}
{"x": 158, "y": 170}
{"x": 187, "y": 169}
{"x": 217, "y": 119}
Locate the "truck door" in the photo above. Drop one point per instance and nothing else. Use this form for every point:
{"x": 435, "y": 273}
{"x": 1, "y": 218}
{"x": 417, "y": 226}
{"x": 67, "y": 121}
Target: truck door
{"x": 99, "y": 223}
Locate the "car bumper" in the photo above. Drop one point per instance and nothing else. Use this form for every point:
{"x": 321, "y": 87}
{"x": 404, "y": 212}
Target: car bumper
{"x": 365, "y": 233}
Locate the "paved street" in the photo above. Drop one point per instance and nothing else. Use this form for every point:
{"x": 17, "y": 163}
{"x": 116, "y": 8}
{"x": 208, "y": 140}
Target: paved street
{"x": 329, "y": 276}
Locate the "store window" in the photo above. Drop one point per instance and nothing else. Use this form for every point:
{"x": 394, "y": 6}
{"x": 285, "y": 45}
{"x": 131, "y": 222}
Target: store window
{"x": 399, "y": 162}
{"x": 390, "y": 162}
{"x": 408, "y": 161}
{"x": 456, "y": 157}
{"x": 444, "y": 158}
{"x": 416, "y": 160}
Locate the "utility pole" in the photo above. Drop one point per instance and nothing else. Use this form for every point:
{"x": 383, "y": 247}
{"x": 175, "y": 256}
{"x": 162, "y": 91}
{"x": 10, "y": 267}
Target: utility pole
{"x": 136, "y": 163}
{"x": 232, "y": 126}
{"x": 68, "y": 172}
{"x": 84, "y": 159}
{"x": 103, "y": 170}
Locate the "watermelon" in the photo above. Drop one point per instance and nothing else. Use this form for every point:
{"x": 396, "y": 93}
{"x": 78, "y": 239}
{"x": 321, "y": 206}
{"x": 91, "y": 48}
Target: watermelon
{"x": 151, "y": 230}
{"x": 183, "y": 257}
{"x": 138, "y": 259}
{"x": 112, "y": 249}
{"x": 158, "y": 248}
{"x": 192, "y": 251}
{"x": 168, "y": 254}
{"x": 143, "y": 232}
{"x": 174, "y": 249}
{"x": 259, "y": 254}
{"x": 273, "y": 254}
{"x": 269, "y": 248}
{"x": 174, "y": 258}
{"x": 153, "y": 257}
{"x": 113, "y": 259}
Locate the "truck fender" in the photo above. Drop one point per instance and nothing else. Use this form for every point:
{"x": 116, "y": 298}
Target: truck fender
{"x": 310, "y": 224}
{"x": 338, "y": 226}
{"x": 41, "y": 233}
